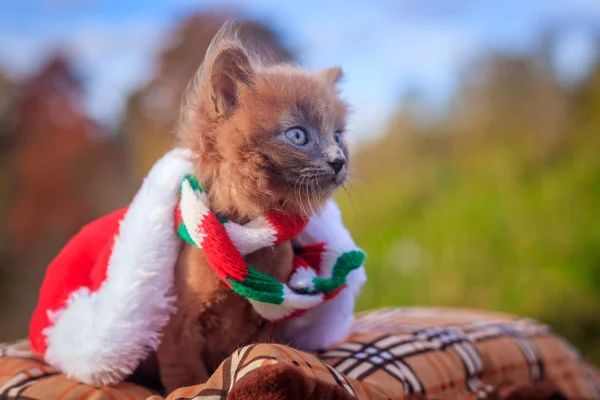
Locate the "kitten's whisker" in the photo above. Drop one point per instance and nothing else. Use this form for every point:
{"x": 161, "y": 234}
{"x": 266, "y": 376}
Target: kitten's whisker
{"x": 295, "y": 190}
{"x": 360, "y": 181}
{"x": 315, "y": 203}
{"x": 302, "y": 198}
{"x": 320, "y": 190}
{"x": 350, "y": 199}
{"x": 353, "y": 186}
{"x": 282, "y": 206}
{"x": 297, "y": 193}
{"x": 308, "y": 196}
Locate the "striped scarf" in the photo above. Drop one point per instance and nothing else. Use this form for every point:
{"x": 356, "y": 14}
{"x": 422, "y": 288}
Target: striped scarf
{"x": 225, "y": 243}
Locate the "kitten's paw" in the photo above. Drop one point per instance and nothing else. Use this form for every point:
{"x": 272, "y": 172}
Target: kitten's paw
{"x": 284, "y": 382}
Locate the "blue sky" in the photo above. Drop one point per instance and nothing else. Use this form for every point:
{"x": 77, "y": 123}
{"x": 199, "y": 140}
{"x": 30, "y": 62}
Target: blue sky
{"x": 385, "y": 47}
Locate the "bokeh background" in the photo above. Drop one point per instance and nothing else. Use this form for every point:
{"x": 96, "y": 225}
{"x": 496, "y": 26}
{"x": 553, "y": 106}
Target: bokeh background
{"x": 476, "y": 137}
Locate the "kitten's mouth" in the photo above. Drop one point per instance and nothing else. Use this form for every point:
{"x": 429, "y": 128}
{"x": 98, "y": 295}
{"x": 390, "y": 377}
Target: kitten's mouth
{"x": 339, "y": 178}
{"x": 326, "y": 186}
{"x": 318, "y": 184}
{"x": 307, "y": 195}
{"x": 333, "y": 181}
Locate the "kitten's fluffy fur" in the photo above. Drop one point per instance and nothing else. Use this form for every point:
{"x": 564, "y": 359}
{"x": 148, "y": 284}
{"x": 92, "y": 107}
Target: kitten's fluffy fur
{"x": 234, "y": 120}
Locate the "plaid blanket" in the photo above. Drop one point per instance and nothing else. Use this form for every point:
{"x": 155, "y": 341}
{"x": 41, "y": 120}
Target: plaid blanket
{"x": 406, "y": 353}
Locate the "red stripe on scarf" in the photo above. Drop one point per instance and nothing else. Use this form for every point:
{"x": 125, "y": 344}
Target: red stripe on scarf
{"x": 294, "y": 314}
{"x": 312, "y": 255}
{"x": 287, "y": 226}
{"x": 220, "y": 251}
{"x": 297, "y": 262}
{"x": 178, "y": 217}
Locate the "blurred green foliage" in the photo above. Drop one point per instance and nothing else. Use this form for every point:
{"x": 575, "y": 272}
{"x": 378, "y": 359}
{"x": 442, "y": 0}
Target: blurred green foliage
{"x": 485, "y": 208}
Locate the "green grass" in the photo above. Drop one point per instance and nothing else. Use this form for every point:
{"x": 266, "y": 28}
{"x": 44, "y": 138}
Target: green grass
{"x": 499, "y": 226}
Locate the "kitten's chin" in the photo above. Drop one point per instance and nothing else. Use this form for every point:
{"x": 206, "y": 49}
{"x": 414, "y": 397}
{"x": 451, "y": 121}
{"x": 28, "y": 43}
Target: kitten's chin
{"x": 308, "y": 204}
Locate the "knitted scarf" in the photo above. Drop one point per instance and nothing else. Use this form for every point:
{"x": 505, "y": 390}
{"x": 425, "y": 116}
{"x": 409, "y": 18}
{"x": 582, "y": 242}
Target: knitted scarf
{"x": 225, "y": 244}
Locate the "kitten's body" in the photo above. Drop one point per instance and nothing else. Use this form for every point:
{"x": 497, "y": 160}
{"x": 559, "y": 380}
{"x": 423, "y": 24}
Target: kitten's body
{"x": 212, "y": 321}
{"x": 242, "y": 121}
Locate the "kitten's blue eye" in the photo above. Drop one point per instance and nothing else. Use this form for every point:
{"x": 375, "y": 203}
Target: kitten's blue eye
{"x": 296, "y": 136}
{"x": 337, "y": 137}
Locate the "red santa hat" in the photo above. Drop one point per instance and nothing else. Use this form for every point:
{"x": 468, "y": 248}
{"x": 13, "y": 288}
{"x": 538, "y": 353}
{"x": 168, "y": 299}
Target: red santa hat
{"x": 108, "y": 294}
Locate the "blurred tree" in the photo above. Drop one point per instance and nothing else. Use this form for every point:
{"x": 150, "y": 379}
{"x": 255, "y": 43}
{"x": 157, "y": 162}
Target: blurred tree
{"x": 51, "y": 136}
{"x": 7, "y": 100}
{"x": 587, "y": 102}
{"x": 152, "y": 110}
{"x": 62, "y": 170}
{"x": 8, "y": 92}
{"x": 505, "y": 96}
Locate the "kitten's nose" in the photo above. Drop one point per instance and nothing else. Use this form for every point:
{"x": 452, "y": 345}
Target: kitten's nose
{"x": 337, "y": 164}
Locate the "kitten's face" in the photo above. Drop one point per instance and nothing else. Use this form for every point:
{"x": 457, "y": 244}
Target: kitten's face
{"x": 269, "y": 137}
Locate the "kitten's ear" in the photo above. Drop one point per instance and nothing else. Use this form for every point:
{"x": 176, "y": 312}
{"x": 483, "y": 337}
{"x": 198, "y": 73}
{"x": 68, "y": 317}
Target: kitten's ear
{"x": 331, "y": 75}
{"x": 230, "y": 68}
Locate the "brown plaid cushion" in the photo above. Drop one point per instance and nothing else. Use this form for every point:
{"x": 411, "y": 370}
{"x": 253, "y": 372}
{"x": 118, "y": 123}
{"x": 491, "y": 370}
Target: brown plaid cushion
{"x": 447, "y": 353}
{"x": 391, "y": 354}
{"x": 24, "y": 376}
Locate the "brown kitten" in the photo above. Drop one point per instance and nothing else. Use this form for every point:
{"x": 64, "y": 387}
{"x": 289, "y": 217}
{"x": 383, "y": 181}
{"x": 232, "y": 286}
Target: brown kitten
{"x": 265, "y": 137}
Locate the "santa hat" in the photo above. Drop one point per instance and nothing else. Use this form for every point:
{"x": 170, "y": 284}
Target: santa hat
{"x": 109, "y": 293}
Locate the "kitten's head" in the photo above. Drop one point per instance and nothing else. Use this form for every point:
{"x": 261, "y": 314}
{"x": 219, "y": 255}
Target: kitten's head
{"x": 265, "y": 136}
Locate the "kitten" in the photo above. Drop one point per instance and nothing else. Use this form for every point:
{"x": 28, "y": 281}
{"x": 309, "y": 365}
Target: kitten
{"x": 265, "y": 137}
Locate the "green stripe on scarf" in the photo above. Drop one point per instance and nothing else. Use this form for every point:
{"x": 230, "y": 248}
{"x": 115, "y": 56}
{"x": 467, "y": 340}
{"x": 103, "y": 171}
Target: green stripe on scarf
{"x": 345, "y": 263}
{"x": 193, "y": 182}
{"x": 259, "y": 287}
{"x": 184, "y": 234}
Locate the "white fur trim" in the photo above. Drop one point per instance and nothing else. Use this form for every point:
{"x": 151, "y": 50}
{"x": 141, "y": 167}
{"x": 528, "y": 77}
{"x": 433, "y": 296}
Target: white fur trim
{"x": 323, "y": 326}
{"x": 330, "y": 322}
{"x": 100, "y": 338}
